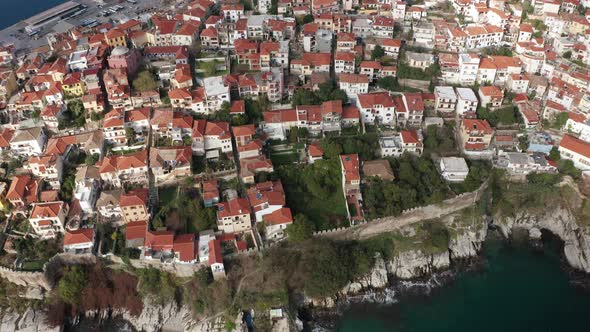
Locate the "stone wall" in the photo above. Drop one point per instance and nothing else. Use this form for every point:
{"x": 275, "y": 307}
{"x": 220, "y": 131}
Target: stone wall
{"x": 366, "y": 230}
{"x": 181, "y": 270}
{"x": 24, "y": 278}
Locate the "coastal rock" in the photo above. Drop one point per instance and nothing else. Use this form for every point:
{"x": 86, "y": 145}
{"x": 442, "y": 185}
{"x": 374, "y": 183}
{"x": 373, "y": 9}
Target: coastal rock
{"x": 416, "y": 263}
{"x": 468, "y": 242}
{"x": 375, "y": 279}
{"x": 30, "y": 321}
{"x": 559, "y": 221}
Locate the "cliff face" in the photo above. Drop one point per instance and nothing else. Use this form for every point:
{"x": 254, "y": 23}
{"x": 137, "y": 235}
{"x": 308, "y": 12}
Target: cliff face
{"x": 465, "y": 241}
{"x": 560, "y": 221}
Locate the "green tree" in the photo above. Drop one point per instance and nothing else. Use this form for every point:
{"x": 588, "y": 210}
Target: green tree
{"x": 554, "y": 154}
{"x": 388, "y": 83}
{"x": 304, "y": 97}
{"x": 91, "y": 159}
{"x": 223, "y": 113}
{"x": 145, "y": 82}
{"x": 377, "y": 53}
{"x": 560, "y": 120}
{"x": 567, "y": 54}
{"x": 130, "y": 135}
{"x": 301, "y": 229}
{"x": 71, "y": 285}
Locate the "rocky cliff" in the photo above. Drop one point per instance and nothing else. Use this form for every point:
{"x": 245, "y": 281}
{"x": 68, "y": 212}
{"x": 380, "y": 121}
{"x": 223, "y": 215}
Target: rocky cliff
{"x": 414, "y": 259}
{"x": 560, "y": 220}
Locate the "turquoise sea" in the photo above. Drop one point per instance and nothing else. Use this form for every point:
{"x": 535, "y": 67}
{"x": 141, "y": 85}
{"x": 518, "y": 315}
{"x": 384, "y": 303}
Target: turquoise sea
{"x": 13, "y": 11}
{"x": 520, "y": 289}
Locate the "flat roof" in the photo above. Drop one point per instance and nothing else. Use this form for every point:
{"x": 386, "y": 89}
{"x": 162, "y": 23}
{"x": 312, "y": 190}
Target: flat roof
{"x": 445, "y": 92}
{"x": 466, "y": 94}
{"x": 51, "y": 12}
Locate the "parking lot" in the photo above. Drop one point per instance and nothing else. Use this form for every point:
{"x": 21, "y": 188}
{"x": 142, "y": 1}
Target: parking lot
{"x": 93, "y": 15}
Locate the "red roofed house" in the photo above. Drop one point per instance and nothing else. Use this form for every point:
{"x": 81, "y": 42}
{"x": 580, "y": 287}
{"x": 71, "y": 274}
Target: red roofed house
{"x": 170, "y": 162}
{"x": 577, "y": 151}
{"x": 23, "y": 190}
{"x": 216, "y": 259}
{"x": 134, "y": 205}
{"x": 314, "y": 152}
{"x": 247, "y": 146}
{"x": 351, "y": 180}
{"x": 48, "y": 219}
{"x": 265, "y": 198}
{"x": 276, "y": 222}
{"x": 210, "y": 193}
{"x": 234, "y": 216}
{"x": 376, "y": 107}
{"x": 130, "y": 168}
{"x": 185, "y": 248}
{"x": 80, "y": 241}
{"x": 491, "y": 96}
{"x": 135, "y": 234}
{"x": 217, "y": 138}
{"x": 47, "y": 167}
{"x": 249, "y": 167}
{"x": 476, "y": 135}
{"x": 158, "y": 244}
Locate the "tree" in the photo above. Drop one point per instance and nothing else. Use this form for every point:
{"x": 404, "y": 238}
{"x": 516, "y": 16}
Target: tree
{"x": 71, "y": 285}
{"x": 304, "y": 97}
{"x": 301, "y": 229}
{"x": 145, "y": 82}
{"x": 388, "y": 83}
{"x": 130, "y": 135}
{"x": 223, "y": 113}
{"x": 339, "y": 94}
{"x": 560, "y": 120}
{"x": 554, "y": 154}
{"x": 567, "y": 54}
{"x": 377, "y": 53}
{"x": 91, "y": 159}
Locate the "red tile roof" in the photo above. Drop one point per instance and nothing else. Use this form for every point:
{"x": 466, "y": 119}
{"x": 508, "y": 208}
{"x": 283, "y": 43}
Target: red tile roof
{"x": 280, "y": 216}
{"x": 350, "y": 163}
{"x": 79, "y": 236}
{"x": 185, "y": 246}
{"x": 135, "y": 230}
{"x": 159, "y": 240}
{"x": 234, "y": 207}
{"x": 576, "y": 145}
{"x": 215, "y": 256}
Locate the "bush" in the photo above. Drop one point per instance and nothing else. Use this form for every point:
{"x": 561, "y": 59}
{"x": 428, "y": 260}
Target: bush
{"x": 158, "y": 285}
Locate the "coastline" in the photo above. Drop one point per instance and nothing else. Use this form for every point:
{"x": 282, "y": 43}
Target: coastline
{"x": 386, "y": 304}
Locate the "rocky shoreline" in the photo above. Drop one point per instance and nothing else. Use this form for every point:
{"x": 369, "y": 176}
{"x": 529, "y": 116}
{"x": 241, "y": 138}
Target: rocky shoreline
{"x": 415, "y": 273}
{"x": 413, "y": 270}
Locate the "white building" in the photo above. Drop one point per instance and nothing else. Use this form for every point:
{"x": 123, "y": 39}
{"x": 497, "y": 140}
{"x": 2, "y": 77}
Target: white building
{"x": 577, "y": 151}
{"x": 28, "y": 142}
{"x": 454, "y": 169}
{"x": 445, "y": 99}
{"x": 466, "y": 101}
{"x": 48, "y": 219}
{"x": 468, "y": 67}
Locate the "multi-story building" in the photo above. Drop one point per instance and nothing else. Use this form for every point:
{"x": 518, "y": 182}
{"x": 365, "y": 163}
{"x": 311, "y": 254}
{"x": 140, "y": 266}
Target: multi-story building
{"x": 445, "y": 100}
{"x": 48, "y": 219}
{"x": 234, "y": 216}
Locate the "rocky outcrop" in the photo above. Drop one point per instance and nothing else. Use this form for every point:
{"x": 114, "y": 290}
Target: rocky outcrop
{"x": 30, "y": 321}
{"x": 416, "y": 263}
{"x": 560, "y": 221}
{"x": 466, "y": 240}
